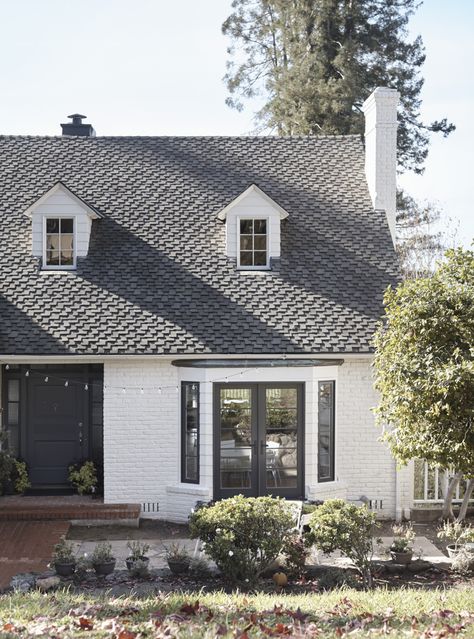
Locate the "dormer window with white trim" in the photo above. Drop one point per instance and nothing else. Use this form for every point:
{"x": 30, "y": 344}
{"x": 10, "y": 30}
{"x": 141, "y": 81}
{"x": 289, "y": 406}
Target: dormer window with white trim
{"x": 61, "y": 225}
{"x": 253, "y": 243}
{"x": 59, "y": 244}
{"x": 253, "y": 229}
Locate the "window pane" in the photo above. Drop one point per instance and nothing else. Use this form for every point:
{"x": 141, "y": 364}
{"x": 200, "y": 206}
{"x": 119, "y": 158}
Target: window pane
{"x": 13, "y": 413}
{"x": 260, "y": 226}
{"x": 260, "y": 242}
{"x": 190, "y": 432}
{"x": 67, "y": 258}
{"x": 52, "y": 225}
{"x": 246, "y": 243}
{"x": 246, "y": 226}
{"x": 260, "y": 258}
{"x": 67, "y": 242}
{"x": 52, "y": 242}
{"x": 52, "y": 258}
{"x": 246, "y": 258}
{"x": 13, "y": 390}
{"x": 326, "y": 431}
{"x": 67, "y": 225}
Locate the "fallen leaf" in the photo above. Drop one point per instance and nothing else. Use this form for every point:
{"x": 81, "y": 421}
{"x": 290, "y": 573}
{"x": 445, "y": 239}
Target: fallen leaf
{"x": 85, "y": 624}
{"x": 126, "y": 634}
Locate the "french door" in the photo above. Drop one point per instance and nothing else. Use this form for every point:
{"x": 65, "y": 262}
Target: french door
{"x": 258, "y": 440}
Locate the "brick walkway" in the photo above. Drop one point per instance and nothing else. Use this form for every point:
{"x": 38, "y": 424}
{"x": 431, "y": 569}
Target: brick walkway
{"x": 26, "y": 546}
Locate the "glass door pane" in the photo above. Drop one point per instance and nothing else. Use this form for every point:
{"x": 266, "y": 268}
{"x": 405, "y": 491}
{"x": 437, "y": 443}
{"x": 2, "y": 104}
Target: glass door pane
{"x": 281, "y": 438}
{"x": 235, "y": 437}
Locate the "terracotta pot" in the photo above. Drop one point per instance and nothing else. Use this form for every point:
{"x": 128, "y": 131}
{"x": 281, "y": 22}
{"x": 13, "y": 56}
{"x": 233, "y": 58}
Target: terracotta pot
{"x": 178, "y": 566}
{"x": 64, "y": 569}
{"x": 104, "y": 567}
{"x": 401, "y": 557}
{"x": 131, "y": 561}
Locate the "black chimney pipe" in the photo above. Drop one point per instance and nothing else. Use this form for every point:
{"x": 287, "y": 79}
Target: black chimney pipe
{"x": 76, "y": 127}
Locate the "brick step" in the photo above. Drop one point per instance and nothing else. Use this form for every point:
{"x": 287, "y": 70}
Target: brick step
{"x": 76, "y": 512}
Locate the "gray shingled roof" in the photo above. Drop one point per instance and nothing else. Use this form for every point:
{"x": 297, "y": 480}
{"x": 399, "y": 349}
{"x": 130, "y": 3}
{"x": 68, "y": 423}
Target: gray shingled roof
{"x": 157, "y": 280}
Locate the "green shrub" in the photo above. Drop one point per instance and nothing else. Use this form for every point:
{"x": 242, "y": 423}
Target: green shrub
{"x": 20, "y": 477}
{"x": 243, "y": 535}
{"x": 296, "y": 553}
{"x": 338, "y": 525}
{"x": 83, "y": 477}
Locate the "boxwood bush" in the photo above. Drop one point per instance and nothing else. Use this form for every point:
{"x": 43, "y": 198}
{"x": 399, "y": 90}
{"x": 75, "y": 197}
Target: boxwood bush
{"x": 243, "y": 535}
{"x": 338, "y": 525}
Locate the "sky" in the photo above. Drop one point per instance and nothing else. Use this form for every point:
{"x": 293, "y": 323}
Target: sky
{"x": 155, "y": 67}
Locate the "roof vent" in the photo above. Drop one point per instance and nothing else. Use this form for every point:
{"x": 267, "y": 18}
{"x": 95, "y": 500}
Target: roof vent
{"x": 76, "y": 127}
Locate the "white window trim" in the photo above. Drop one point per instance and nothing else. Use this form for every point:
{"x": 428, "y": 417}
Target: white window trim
{"x": 267, "y": 247}
{"x": 53, "y": 267}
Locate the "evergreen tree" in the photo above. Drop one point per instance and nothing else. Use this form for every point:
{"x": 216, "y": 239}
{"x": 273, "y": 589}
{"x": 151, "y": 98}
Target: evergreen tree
{"x": 315, "y": 61}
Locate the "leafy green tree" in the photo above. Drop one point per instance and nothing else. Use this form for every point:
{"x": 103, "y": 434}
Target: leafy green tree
{"x": 314, "y": 62}
{"x": 424, "y": 367}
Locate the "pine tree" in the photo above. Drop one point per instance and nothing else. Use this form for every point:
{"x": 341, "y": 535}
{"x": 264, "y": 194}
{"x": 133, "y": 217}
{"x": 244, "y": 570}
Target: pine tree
{"x": 315, "y": 61}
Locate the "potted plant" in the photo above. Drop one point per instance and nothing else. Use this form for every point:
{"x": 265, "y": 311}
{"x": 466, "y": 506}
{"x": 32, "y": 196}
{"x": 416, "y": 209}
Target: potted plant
{"x": 401, "y": 549}
{"x": 138, "y": 553}
{"x": 64, "y": 559}
{"x": 102, "y": 559}
{"x": 460, "y": 536}
{"x": 178, "y": 559}
{"x": 83, "y": 477}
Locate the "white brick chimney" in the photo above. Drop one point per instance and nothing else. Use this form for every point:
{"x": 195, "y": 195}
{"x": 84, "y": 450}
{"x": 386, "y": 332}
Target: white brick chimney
{"x": 380, "y": 111}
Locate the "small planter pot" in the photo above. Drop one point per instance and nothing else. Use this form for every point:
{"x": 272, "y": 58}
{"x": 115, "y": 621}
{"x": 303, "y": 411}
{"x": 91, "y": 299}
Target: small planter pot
{"x": 178, "y": 566}
{"x": 64, "y": 569}
{"x": 454, "y": 550}
{"x": 131, "y": 561}
{"x": 401, "y": 557}
{"x": 104, "y": 568}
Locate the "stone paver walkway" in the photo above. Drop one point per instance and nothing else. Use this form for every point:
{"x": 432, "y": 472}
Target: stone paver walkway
{"x": 27, "y": 546}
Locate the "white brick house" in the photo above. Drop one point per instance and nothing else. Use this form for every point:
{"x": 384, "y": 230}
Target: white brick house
{"x": 196, "y": 314}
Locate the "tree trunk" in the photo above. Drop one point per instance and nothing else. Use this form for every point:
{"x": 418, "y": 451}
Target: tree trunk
{"x": 465, "y": 501}
{"x": 448, "y": 498}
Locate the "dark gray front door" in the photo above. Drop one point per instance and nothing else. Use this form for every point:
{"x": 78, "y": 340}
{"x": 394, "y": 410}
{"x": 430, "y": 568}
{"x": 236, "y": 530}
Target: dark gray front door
{"x": 56, "y": 432}
{"x": 258, "y": 444}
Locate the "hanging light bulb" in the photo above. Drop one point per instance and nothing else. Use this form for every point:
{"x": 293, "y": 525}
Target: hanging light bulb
{"x": 86, "y": 387}
{"x": 66, "y": 383}
{"x": 159, "y": 390}
{"x": 142, "y": 392}
{"x": 7, "y": 367}
{"x": 46, "y": 379}
{"x": 27, "y": 374}
{"x": 124, "y": 390}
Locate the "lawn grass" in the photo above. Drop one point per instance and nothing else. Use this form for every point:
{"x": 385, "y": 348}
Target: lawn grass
{"x": 408, "y": 613}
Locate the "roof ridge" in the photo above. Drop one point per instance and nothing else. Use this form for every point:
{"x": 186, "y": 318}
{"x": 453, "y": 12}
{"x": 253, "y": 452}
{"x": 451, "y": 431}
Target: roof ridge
{"x": 183, "y": 137}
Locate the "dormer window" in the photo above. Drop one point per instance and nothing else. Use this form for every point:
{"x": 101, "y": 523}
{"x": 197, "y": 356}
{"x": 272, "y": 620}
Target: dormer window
{"x": 59, "y": 243}
{"x": 253, "y": 243}
{"x": 253, "y": 229}
{"x": 61, "y": 225}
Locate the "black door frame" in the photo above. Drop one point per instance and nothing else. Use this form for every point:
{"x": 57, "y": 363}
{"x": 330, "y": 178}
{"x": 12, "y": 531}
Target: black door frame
{"x": 258, "y": 472}
{"x": 82, "y": 373}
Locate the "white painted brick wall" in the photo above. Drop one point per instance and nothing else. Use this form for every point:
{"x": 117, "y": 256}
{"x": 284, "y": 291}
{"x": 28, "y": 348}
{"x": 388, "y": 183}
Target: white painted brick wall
{"x": 380, "y": 111}
{"x": 142, "y": 435}
{"x": 363, "y": 463}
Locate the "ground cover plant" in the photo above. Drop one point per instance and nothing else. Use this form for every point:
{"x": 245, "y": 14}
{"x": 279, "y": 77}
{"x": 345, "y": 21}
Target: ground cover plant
{"x": 341, "y": 613}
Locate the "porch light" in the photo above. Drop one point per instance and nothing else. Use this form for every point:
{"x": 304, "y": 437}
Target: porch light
{"x": 7, "y": 367}
{"x": 86, "y": 387}
{"x": 46, "y": 379}
{"x": 66, "y": 383}
{"x": 27, "y": 374}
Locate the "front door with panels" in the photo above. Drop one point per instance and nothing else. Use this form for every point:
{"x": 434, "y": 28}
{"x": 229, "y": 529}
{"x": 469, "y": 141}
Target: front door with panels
{"x": 258, "y": 440}
{"x": 56, "y": 433}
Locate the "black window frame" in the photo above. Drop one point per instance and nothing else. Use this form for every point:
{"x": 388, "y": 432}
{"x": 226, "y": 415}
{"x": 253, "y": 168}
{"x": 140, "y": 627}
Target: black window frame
{"x": 332, "y": 433}
{"x": 184, "y": 479}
